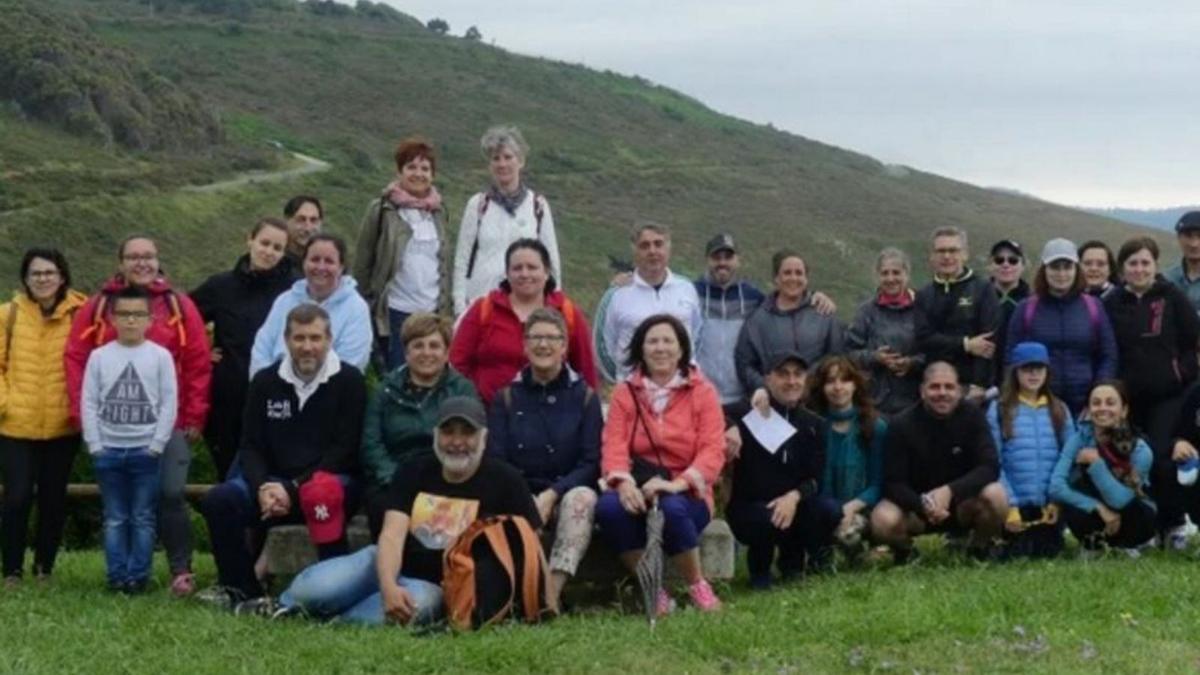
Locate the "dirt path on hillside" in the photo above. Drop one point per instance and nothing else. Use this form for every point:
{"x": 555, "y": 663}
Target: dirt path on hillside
{"x": 308, "y": 165}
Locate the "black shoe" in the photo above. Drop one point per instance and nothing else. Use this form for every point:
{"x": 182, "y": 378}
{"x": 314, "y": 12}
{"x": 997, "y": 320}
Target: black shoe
{"x": 264, "y": 606}
{"x": 221, "y": 597}
{"x": 134, "y": 587}
{"x": 905, "y": 555}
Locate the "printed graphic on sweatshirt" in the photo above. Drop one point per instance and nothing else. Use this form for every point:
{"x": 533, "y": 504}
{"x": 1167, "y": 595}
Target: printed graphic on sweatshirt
{"x": 279, "y": 410}
{"x": 437, "y": 521}
{"x": 126, "y": 402}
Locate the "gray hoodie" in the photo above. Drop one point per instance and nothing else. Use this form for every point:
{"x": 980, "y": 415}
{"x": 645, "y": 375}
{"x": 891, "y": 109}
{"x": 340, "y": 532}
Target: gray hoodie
{"x": 874, "y": 327}
{"x": 770, "y": 331}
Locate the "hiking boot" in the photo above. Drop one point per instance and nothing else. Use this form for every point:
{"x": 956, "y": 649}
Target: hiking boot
{"x": 224, "y": 598}
{"x": 265, "y": 607}
{"x": 760, "y": 582}
{"x": 663, "y": 603}
{"x": 905, "y": 555}
{"x": 703, "y": 597}
{"x": 288, "y": 612}
{"x": 183, "y": 584}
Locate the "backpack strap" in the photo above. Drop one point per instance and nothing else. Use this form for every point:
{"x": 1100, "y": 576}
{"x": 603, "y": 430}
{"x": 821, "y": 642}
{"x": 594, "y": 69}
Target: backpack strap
{"x": 176, "y": 319}
{"x": 1027, "y": 315}
{"x": 485, "y": 309}
{"x": 9, "y": 324}
{"x": 96, "y": 329}
{"x": 483, "y": 207}
{"x": 568, "y": 312}
{"x": 539, "y": 210}
{"x": 530, "y": 569}
{"x": 1093, "y": 309}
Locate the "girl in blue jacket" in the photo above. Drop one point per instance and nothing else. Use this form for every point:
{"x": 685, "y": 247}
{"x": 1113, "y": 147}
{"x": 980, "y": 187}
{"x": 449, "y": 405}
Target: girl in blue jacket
{"x": 1030, "y": 425}
{"x": 1102, "y": 477}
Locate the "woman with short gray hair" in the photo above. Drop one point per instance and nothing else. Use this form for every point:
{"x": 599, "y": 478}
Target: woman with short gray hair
{"x": 507, "y": 211}
{"x": 882, "y": 340}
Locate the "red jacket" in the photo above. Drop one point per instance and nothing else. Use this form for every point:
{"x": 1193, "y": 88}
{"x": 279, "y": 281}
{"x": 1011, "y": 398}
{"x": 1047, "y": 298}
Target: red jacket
{"x": 176, "y": 325}
{"x": 491, "y": 355}
{"x": 690, "y": 434}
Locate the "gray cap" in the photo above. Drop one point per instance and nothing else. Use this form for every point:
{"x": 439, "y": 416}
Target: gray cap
{"x": 1059, "y": 249}
{"x": 721, "y": 242}
{"x": 466, "y": 408}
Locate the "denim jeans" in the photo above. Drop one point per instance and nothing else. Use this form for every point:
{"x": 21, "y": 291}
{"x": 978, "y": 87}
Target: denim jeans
{"x": 346, "y": 588}
{"x": 129, "y": 487}
{"x": 395, "y": 352}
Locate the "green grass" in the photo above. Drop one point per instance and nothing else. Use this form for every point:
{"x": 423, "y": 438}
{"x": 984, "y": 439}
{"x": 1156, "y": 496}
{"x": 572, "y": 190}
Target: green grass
{"x": 942, "y": 615}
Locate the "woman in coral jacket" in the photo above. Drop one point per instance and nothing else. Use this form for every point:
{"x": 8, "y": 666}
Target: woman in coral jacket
{"x": 489, "y": 347}
{"x": 177, "y": 326}
{"x": 37, "y": 442}
{"x": 663, "y": 445}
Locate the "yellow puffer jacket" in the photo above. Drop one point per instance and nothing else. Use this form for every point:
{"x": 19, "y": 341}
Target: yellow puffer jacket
{"x": 33, "y": 384}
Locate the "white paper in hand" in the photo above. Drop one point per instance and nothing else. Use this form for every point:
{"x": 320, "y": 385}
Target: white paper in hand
{"x": 770, "y": 432}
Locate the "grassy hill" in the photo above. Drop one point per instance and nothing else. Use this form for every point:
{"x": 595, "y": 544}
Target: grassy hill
{"x": 344, "y": 85}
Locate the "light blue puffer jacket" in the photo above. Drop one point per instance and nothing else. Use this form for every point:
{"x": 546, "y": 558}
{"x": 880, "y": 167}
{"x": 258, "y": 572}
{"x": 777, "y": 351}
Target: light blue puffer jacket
{"x": 1028, "y": 458}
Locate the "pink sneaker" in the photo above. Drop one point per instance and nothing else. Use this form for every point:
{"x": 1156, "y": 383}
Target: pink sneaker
{"x": 183, "y": 584}
{"x": 664, "y": 605}
{"x": 703, "y": 597}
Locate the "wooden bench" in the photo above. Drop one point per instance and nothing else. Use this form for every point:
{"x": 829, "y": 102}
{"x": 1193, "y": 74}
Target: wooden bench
{"x": 289, "y": 550}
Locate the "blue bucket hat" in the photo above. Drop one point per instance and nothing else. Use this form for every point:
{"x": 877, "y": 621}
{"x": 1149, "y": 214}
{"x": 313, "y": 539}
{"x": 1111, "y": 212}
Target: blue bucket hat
{"x": 1030, "y": 353}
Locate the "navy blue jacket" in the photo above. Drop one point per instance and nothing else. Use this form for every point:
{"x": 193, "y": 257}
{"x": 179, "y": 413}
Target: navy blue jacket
{"x": 1079, "y": 355}
{"x": 550, "y": 433}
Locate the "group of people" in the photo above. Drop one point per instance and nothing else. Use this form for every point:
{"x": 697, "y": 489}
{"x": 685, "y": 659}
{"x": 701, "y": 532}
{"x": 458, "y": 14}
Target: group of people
{"x": 984, "y": 407}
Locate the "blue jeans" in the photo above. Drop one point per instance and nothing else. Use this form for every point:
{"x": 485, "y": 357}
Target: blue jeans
{"x": 129, "y": 488}
{"x": 395, "y": 352}
{"x": 346, "y": 588}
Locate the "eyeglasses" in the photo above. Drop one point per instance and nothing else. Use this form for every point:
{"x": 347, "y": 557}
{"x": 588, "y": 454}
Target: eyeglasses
{"x": 947, "y": 251}
{"x": 544, "y": 339}
{"x": 1006, "y": 260}
{"x": 144, "y": 257}
{"x": 128, "y": 314}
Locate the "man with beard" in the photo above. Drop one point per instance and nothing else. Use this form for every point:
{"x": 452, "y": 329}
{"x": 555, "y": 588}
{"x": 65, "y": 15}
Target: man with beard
{"x": 725, "y": 301}
{"x": 433, "y": 499}
{"x": 940, "y": 471}
{"x": 298, "y": 453}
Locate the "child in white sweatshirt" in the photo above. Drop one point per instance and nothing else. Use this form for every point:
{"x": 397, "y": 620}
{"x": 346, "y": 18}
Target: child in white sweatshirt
{"x": 128, "y": 410}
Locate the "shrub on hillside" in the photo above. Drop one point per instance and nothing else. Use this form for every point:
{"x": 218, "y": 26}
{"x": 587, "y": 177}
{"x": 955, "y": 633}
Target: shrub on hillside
{"x": 59, "y": 73}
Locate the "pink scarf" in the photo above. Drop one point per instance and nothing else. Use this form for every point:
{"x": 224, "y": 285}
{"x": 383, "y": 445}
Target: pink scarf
{"x": 898, "y": 301}
{"x": 401, "y": 199}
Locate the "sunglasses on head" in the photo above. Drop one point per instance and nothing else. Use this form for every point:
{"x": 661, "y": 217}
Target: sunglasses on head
{"x": 1006, "y": 259}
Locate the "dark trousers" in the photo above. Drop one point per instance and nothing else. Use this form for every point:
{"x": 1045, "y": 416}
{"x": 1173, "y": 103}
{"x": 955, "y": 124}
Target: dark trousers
{"x": 810, "y": 534}
{"x": 46, "y": 465}
{"x": 1157, "y": 421}
{"x": 230, "y": 510}
{"x": 1137, "y": 525}
{"x": 375, "y": 504}
{"x": 684, "y": 519}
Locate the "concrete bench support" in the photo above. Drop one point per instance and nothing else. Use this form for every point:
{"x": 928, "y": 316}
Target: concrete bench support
{"x": 289, "y": 550}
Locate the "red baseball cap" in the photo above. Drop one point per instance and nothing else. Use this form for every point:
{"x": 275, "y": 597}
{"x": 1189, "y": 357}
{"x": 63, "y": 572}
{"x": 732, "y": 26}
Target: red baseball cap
{"x": 322, "y": 500}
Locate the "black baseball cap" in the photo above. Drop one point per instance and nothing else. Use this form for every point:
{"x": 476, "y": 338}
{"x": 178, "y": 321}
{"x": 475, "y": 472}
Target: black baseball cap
{"x": 1188, "y": 222}
{"x": 778, "y": 360}
{"x": 1009, "y": 244}
{"x": 721, "y": 242}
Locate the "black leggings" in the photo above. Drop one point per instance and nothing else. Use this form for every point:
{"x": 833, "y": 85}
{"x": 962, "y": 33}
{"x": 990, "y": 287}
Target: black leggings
{"x": 1157, "y": 421}
{"x": 1137, "y": 525}
{"x": 46, "y": 465}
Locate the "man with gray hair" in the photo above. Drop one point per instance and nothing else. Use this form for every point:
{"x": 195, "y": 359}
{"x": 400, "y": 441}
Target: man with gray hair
{"x": 654, "y": 290}
{"x": 958, "y": 314}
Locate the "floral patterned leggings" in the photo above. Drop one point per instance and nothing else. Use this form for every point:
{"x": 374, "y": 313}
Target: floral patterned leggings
{"x": 574, "y": 515}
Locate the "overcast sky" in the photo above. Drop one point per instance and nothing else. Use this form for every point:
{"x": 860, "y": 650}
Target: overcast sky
{"x": 1083, "y": 103}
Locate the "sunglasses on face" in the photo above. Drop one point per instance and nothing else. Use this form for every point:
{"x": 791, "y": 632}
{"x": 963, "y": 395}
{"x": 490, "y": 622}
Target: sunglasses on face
{"x": 1006, "y": 260}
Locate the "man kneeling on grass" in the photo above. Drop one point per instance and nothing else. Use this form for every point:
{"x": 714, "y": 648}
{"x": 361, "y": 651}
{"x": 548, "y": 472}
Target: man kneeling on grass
{"x": 298, "y": 455}
{"x": 940, "y": 471}
{"x": 432, "y": 500}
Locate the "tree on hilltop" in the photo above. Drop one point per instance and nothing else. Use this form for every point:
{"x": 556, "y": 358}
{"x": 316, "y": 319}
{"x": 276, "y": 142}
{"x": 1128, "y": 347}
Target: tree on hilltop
{"x": 473, "y": 34}
{"x": 439, "y": 26}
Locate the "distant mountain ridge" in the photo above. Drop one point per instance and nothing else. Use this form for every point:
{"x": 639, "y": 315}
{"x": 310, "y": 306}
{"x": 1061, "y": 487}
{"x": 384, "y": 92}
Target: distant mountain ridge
{"x": 1162, "y": 219}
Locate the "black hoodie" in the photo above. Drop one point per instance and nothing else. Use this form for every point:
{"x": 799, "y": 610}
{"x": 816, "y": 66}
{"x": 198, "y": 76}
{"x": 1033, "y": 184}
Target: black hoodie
{"x": 1156, "y": 336}
{"x": 236, "y": 302}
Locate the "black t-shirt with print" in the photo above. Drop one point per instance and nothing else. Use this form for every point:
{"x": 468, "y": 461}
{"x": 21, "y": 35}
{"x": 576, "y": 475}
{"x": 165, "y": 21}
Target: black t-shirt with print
{"x": 438, "y": 511}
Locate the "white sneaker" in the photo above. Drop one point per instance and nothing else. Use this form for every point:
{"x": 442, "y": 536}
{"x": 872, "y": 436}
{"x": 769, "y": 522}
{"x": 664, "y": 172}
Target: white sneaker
{"x": 1178, "y": 537}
